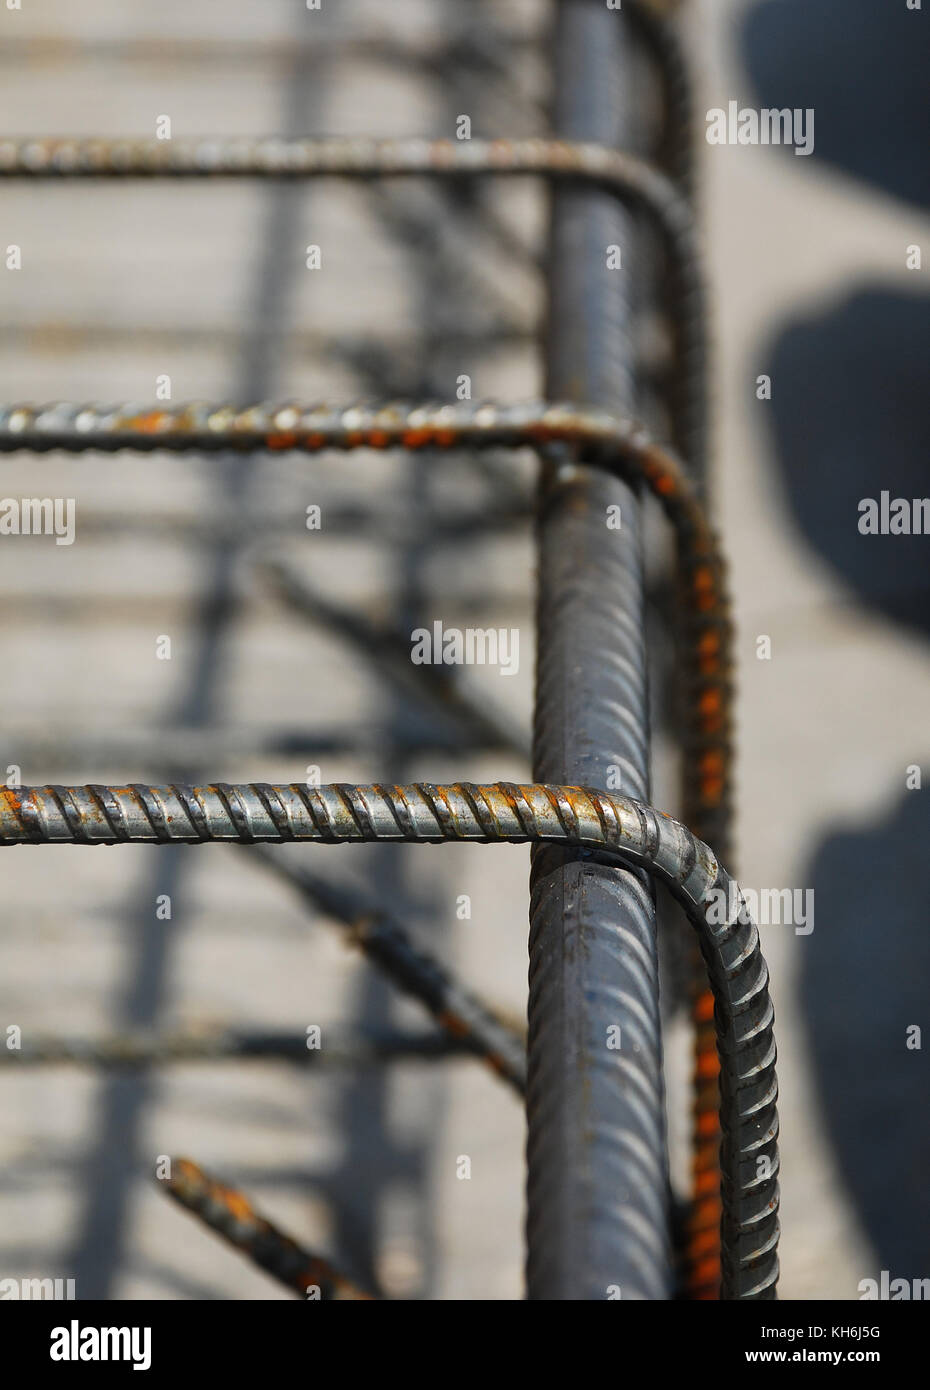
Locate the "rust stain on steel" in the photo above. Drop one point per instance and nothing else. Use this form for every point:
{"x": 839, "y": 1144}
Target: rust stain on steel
{"x": 231, "y": 1214}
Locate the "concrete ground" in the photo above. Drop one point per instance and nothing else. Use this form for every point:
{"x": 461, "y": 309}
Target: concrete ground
{"x": 123, "y": 284}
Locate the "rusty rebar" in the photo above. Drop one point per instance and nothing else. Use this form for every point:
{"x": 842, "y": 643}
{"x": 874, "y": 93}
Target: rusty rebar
{"x": 230, "y": 1214}
{"x": 629, "y": 179}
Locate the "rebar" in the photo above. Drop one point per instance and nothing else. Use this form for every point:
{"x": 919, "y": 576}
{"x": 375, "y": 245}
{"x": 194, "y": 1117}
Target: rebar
{"x": 597, "y": 1167}
{"x": 612, "y": 828}
{"x": 361, "y": 157}
{"x": 230, "y": 1214}
{"x": 136, "y": 1050}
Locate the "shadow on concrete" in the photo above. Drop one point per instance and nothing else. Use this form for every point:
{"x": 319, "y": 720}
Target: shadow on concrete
{"x": 864, "y": 984}
{"x": 850, "y": 419}
{"x": 862, "y": 66}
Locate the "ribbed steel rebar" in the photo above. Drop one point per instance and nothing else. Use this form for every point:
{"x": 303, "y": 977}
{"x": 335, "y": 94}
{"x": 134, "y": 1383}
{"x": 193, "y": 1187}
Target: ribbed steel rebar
{"x": 597, "y": 1167}
{"x": 688, "y": 389}
{"x": 616, "y": 443}
{"x": 628, "y": 178}
{"x": 231, "y": 1215}
{"x": 616, "y": 828}
{"x": 688, "y": 392}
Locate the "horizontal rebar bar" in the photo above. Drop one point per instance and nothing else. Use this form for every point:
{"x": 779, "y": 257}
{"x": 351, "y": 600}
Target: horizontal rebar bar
{"x": 292, "y": 425}
{"x": 145, "y": 1050}
{"x": 340, "y": 156}
{"x": 231, "y": 1215}
{"x": 621, "y": 830}
{"x": 260, "y": 812}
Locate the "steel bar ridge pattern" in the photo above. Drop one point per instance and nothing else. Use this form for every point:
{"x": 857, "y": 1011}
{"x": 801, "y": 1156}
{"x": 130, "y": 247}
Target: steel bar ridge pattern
{"x": 597, "y": 1180}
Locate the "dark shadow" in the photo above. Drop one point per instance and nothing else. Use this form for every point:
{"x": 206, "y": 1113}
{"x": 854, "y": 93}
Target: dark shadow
{"x": 862, "y": 66}
{"x": 850, "y": 417}
{"x": 866, "y": 968}
{"x": 850, "y": 420}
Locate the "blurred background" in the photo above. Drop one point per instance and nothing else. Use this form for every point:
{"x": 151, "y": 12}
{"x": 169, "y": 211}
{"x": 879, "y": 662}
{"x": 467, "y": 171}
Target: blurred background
{"x": 207, "y": 283}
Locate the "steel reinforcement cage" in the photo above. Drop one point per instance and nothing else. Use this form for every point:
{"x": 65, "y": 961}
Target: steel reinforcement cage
{"x": 598, "y": 1195}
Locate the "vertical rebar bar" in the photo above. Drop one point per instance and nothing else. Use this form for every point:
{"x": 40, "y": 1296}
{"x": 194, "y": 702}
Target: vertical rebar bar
{"x": 597, "y": 1195}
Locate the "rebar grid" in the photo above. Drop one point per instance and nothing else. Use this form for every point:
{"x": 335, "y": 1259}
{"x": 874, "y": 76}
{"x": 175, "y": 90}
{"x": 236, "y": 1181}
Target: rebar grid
{"x": 616, "y": 446}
